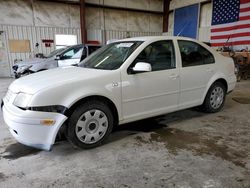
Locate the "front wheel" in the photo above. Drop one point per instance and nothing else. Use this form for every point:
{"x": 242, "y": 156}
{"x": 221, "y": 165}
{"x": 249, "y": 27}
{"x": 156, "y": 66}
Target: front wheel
{"x": 215, "y": 98}
{"x": 90, "y": 124}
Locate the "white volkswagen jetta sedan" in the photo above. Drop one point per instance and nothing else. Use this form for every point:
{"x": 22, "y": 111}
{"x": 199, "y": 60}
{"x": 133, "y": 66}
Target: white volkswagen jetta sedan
{"x": 125, "y": 81}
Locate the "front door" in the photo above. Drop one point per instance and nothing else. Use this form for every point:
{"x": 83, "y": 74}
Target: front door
{"x": 70, "y": 57}
{"x": 151, "y": 93}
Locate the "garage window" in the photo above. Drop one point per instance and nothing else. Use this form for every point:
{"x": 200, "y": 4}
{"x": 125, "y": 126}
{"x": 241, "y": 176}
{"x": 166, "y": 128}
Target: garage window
{"x": 193, "y": 54}
{"x": 65, "y": 40}
{"x": 159, "y": 54}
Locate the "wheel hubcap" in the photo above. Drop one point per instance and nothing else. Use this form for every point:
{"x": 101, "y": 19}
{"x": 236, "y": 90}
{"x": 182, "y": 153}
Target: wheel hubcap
{"x": 91, "y": 126}
{"x": 217, "y": 97}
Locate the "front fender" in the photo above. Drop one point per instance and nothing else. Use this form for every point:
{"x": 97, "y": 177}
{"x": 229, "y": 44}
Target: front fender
{"x": 68, "y": 94}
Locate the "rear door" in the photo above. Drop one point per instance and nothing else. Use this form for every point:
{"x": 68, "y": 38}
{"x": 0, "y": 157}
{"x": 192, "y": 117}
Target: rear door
{"x": 198, "y": 67}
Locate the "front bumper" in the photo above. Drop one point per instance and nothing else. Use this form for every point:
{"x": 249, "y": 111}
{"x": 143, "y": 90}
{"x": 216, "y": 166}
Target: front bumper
{"x": 26, "y": 128}
{"x": 231, "y": 83}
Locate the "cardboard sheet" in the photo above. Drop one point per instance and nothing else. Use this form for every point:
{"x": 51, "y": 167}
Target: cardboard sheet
{"x": 18, "y": 46}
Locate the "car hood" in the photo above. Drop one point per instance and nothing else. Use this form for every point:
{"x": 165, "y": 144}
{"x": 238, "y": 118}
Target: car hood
{"x": 31, "y": 61}
{"x": 35, "y": 82}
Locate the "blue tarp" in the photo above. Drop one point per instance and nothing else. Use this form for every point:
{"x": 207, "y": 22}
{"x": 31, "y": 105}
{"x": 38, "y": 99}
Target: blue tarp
{"x": 186, "y": 21}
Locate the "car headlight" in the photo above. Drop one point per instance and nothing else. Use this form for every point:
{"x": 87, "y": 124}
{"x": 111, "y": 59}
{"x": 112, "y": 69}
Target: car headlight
{"x": 24, "y": 68}
{"x": 22, "y": 100}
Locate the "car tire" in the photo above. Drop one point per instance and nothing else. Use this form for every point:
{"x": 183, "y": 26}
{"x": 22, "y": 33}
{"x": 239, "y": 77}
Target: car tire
{"x": 90, "y": 124}
{"x": 215, "y": 98}
{"x": 238, "y": 77}
{"x": 17, "y": 76}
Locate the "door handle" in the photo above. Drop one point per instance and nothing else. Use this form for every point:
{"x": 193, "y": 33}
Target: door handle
{"x": 174, "y": 76}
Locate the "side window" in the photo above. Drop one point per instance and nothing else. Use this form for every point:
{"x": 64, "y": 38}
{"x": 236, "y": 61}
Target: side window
{"x": 93, "y": 49}
{"x": 193, "y": 54}
{"x": 159, "y": 54}
{"x": 74, "y": 53}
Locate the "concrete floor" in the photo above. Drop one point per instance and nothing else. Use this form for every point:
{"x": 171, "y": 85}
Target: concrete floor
{"x": 183, "y": 149}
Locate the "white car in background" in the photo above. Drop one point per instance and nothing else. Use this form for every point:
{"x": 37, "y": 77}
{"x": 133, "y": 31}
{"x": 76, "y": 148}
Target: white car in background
{"x": 70, "y": 55}
{"x": 125, "y": 81}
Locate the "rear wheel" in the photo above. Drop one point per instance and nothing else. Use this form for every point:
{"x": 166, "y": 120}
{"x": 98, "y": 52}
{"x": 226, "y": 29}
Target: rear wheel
{"x": 215, "y": 98}
{"x": 90, "y": 124}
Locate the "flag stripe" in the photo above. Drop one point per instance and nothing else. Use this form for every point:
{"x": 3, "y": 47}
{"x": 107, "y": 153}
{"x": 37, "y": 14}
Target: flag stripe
{"x": 244, "y": 18}
{"x": 230, "y": 32}
{"x": 231, "y": 24}
{"x": 245, "y": 9}
{"x": 232, "y": 43}
{"x": 244, "y": 1}
{"x": 231, "y": 28}
{"x": 245, "y": 5}
{"x": 245, "y": 13}
{"x": 244, "y": 38}
{"x": 231, "y": 36}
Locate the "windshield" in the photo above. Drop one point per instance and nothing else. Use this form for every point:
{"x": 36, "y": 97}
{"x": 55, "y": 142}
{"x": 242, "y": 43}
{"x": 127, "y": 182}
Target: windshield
{"x": 110, "y": 57}
{"x": 53, "y": 53}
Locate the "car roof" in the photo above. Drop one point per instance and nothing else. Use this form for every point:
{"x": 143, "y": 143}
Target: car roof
{"x": 149, "y": 38}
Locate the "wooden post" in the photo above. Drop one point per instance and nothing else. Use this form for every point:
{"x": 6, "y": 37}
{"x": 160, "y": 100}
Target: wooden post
{"x": 82, "y": 21}
{"x": 166, "y": 4}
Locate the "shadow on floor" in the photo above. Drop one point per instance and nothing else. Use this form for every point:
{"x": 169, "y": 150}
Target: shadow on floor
{"x": 155, "y": 124}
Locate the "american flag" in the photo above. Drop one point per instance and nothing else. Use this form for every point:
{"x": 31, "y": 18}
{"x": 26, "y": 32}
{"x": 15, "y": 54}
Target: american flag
{"x": 230, "y": 23}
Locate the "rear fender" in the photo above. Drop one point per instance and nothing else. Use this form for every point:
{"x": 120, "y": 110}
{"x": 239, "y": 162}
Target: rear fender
{"x": 216, "y": 77}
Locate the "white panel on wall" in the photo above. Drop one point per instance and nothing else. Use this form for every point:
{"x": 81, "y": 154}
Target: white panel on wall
{"x": 204, "y": 34}
{"x": 138, "y": 22}
{"x": 74, "y": 11}
{"x": 153, "y": 5}
{"x": 94, "y": 1}
{"x": 115, "y": 20}
{"x": 206, "y": 15}
{"x": 16, "y": 12}
{"x": 138, "y": 4}
{"x": 93, "y": 18}
{"x": 156, "y": 5}
{"x": 115, "y": 3}
{"x": 155, "y": 23}
{"x": 205, "y": 22}
{"x": 51, "y": 14}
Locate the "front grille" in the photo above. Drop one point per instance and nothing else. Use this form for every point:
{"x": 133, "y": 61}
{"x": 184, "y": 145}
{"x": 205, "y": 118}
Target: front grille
{"x": 15, "y": 67}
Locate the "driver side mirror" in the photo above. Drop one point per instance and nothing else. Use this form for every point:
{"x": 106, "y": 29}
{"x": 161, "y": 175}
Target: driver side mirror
{"x": 141, "y": 67}
{"x": 57, "y": 57}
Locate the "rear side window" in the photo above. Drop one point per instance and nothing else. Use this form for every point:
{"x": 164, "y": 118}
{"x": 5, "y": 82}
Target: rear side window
{"x": 193, "y": 54}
